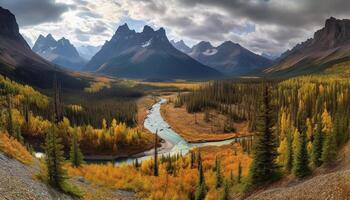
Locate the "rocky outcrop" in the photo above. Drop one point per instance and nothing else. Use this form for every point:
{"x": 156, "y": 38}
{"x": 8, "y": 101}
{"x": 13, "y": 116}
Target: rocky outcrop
{"x": 330, "y": 45}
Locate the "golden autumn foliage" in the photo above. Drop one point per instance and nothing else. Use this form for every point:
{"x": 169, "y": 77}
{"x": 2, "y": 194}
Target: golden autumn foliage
{"x": 97, "y": 86}
{"x": 14, "y": 149}
{"x": 166, "y": 186}
{"x": 23, "y": 92}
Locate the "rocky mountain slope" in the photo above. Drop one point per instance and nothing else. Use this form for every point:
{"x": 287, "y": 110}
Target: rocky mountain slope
{"x": 20, "y": 63}
{"x": 181, "y": 46}
{"x": 60, "y": 52}
{"x": 330, "y": 45}
{"x": 229, "y": 58}
{"x": 146, "y": 55}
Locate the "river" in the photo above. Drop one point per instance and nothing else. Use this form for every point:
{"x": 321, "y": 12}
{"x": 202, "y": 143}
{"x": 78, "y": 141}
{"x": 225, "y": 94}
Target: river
{"x": 173, "y": 144}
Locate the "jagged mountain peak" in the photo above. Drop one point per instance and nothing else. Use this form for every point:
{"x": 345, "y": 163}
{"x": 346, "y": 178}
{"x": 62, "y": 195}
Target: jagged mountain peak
{"x": 229, "y": 58}
{"x": 147, "y": 29}
{"x": 9, "y": 27}
{"x": 181, "y": 45}
{"x": 330, "y": 44}
{"x": 334, "y": 33}
{"x": 146, "y": 54}
{"x": 60, "y": 52}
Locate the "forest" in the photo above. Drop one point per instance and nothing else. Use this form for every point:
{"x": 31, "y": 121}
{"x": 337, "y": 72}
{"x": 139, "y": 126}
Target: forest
{"x": 299, "y": 124}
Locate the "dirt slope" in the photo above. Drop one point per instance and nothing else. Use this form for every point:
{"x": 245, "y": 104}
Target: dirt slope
{"x": 331, "y": 183}
{"x": 17, "y": 182}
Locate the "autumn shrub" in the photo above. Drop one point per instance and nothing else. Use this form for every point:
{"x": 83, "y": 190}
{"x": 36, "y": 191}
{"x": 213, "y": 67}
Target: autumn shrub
{"x": 14, "y": 149}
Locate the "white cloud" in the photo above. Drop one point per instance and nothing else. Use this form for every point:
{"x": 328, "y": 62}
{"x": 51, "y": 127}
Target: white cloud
{"x": 269, "y": 26}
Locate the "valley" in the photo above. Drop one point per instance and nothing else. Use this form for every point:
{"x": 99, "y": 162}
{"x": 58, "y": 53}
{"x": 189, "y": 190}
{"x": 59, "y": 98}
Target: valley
{"x": 129, "y": 107}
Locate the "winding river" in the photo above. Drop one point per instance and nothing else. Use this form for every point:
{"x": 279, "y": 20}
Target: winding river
{"x": 173, "y": 144}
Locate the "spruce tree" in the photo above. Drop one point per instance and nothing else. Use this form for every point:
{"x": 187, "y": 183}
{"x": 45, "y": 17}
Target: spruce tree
{"x": 201, "y": 189}
{"x": 317, "y": 146}
{"x": 10, "y": 125}
{"x": 289, "y": 154}
{"x": 155, "y": 166}
{"x": 18, "y": 134}
{"x": 54, "y": 158}
{"x": 329, "y": 151}
{"x": 76, "y": 156}
{"x": 264, "y": 168}
{"x": 226, "y": 192}
{"x": 239, "y": 173}
{"x": 301, "y": 159}
{"x": 218, "y": 175}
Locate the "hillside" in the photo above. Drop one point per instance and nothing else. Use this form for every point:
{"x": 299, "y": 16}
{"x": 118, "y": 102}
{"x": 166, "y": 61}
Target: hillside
{"x": 20, "y": 63}
{"x": 146, "y": 55}
{"x": 330, "y": 45}
{"x": 331, "y": 183}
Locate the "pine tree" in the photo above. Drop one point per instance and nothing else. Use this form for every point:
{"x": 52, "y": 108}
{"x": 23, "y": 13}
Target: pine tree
{"x": 317, "y": 146}
{"x": 18, "y": 134}
{"x": 193, "y": 158}
{"x": 54, "y": 158}
{"x": 10, "y": 125}
{"x": 76, "y": 156}
{"x": 239, "y": 173}
{"x": 301, "y": 159}
{"x": 155, "y": 167}
{"x": 264, "y": 168}
{"x": 329, "y": 151}
{"x": 225, "y": 194}
{"x": 289, "y": 154}
{"x": 218, "y": 175}
{"x": 201, "y": 189}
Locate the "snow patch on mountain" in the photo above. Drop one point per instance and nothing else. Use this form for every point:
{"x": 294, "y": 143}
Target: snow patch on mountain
{"x": 210, "y": 52}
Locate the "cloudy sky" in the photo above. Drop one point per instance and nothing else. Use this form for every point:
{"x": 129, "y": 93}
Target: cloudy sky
{"x": 269, "y": 26}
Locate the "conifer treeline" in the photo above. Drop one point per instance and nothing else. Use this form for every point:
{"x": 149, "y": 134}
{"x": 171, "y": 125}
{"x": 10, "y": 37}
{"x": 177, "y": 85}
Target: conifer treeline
{"x": 310, "y": 117}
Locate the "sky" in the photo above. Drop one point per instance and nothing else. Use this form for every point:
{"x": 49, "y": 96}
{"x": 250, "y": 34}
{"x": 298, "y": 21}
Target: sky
{"x": 262, "y": 26}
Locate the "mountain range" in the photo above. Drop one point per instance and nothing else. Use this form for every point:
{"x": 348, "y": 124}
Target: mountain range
{"x": 229, "y": 58}
{"x": 329, "y": 45}
{"x": 146, "y": 55}
{"x": 20, "y": 63}
{"x": 60, "y": 52}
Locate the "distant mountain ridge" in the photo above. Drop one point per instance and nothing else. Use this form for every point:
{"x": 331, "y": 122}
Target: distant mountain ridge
{"x": 229, "y": 58}
{"x": 20, "y": 63}
{"x": 60, "y": 52}
{"x": 146, "y": 55}
{"x": 180, "y": 45}
{"x": 88, "y": 51}
{"x": 329, "y": 45}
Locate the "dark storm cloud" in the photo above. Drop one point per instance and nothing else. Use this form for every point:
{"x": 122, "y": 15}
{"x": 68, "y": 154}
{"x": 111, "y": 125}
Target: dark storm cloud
{"x": 33, "y": 12}
{"x": 297, "y": 13}
{"x": 214, "y": 27}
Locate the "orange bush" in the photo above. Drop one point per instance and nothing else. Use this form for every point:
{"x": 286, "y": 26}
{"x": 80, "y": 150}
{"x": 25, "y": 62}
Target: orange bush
{"x": 13, "y": 149}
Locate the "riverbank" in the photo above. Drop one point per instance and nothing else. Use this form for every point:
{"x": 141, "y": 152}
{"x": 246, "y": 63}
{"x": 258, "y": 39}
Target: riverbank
{"x": 195, "y": 129}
